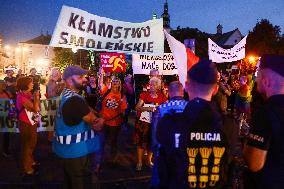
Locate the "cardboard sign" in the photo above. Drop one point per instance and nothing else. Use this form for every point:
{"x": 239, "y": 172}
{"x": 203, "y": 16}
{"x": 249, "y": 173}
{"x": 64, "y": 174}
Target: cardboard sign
{"x": 113, "y": 62}
{"x": 147, "y": 116}
{"x": 48, "y": 109}
{"x": 143, "y": 64}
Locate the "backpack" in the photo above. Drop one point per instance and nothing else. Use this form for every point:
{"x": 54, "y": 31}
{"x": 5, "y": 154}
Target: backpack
{"x": 99, "y": 105}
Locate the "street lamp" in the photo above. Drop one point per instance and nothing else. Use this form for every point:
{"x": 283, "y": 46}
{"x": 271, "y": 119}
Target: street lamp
{"x": 7, "y": 47}
{"x": 252, "y": 59}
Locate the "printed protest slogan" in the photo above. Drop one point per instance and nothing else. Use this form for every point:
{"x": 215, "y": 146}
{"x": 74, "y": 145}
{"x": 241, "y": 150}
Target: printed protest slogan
{"x": 219, "y": 55}
{"x": 113, "y": 62}
{"x": 142, "y": 64}
{"x": 48, "y": 113}
{"x": 76, "y": 28}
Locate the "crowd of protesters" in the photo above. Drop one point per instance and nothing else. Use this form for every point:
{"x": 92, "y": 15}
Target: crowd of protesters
{"x": 176, "y": 135}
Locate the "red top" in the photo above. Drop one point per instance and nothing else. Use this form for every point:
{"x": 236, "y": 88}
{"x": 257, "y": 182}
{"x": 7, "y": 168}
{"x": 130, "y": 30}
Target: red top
{"x": 21, "y": 99}
{"x": 148, "y": 99}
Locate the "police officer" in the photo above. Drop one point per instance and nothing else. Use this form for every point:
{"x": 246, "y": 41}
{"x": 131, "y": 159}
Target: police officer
{"x": 75, "y": 127}
{"x": 193, "y": 145}
{"x": 264, "y": 151}
{"x": 175, "y": 105}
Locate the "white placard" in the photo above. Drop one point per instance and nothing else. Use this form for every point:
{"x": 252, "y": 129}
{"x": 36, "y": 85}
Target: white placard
{"x": 146, "y": 116}
{"x": 143, "y": 64}
{"x": 76, "y": 28}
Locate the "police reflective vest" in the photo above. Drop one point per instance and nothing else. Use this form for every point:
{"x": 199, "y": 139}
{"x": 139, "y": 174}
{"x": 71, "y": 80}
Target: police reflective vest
{"x": 175, "y": 105}
{"x": 73, "y": 141}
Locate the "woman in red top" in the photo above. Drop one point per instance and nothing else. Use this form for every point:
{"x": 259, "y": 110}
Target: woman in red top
{"x": 27, "y": 104}
{"x": 147, "y": 102}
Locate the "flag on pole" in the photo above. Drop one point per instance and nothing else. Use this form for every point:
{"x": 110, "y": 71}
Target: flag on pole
{"x": 183, "y": 56}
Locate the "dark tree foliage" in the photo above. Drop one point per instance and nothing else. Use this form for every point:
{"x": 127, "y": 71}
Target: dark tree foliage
{"x": 265, "y": 38}
{"x": 201, "y": 38}
{"x": 63, "y": 57}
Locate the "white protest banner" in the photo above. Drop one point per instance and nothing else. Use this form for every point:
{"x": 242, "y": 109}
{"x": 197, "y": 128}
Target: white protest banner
{"x": 219, "y": 55}
{"x": 76, "y": 28}
{"x": 47, "y": 112}
{"x": 142, "y": 64}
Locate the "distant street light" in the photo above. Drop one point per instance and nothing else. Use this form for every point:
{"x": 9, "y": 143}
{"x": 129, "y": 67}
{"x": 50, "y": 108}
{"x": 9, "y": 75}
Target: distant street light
{"x": 252, "y": 59}
{"x": 7, "y": 47}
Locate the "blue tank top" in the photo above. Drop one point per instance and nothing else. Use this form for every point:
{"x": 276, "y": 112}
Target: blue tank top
{"x": 76, "y": 140}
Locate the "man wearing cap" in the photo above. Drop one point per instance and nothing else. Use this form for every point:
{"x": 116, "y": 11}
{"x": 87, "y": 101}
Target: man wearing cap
{"x": 264, "y": 151}
{"x": 75, "y": 126}
{"x": 193, "y": 145}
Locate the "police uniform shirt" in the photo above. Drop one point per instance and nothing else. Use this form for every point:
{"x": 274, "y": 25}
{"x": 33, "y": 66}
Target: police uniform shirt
{"x": 267, "y": 133}
{"x": 198, "y": 143}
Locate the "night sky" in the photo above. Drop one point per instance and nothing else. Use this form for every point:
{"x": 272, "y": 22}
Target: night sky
{"x": 21, "y": 20}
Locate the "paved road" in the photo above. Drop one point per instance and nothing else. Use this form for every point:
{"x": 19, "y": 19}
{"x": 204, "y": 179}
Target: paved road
{"x": 120, "y": 175}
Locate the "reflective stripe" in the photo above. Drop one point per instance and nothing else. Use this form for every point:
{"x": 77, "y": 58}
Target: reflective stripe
{"x": 69, "y": 139}
{"x": 61, "y": 139}
{"x": 86, "y": 135}
{"x": 78, "y": 138}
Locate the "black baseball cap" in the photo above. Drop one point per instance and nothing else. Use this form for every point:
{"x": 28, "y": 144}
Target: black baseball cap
{"x": 73, "y": 70}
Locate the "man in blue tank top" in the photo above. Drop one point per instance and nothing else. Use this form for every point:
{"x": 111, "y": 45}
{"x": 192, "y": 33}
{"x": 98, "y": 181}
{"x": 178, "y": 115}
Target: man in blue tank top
{"x": 75, "y": 131}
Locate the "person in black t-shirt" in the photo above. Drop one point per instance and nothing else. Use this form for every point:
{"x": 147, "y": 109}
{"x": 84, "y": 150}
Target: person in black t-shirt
{"x": 264, "y": 151}
{"x": 193, "y": 145}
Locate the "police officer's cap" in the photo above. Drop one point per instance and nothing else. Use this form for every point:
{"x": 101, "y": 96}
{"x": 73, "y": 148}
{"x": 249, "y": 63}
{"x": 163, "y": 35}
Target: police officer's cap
{"x": 273, "y": 62}
{"x": 203, "y": 72}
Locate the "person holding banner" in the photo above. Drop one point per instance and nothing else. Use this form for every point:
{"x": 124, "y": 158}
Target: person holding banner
{"x": 146, "y": 105}
{"x": 75, "y": 130}
{"x": 28, "y": 106}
